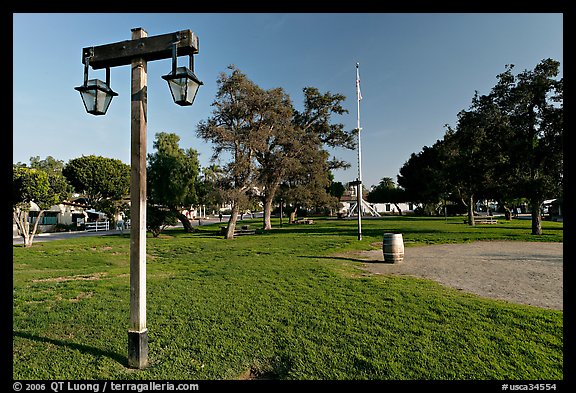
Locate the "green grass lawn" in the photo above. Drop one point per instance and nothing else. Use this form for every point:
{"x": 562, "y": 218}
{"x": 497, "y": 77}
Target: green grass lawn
{"x": 274, "y": 303}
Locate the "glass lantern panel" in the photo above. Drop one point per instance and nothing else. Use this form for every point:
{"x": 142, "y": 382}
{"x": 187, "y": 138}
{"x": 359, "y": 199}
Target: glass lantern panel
{"x": 192, "y": 90}
{"x": 89, "y": 98}
{"x": 178, "y": 87}
{"x": 102, "y": 101}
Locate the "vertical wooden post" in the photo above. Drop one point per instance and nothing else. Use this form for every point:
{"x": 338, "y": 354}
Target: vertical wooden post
{"x": 138, "y": 333}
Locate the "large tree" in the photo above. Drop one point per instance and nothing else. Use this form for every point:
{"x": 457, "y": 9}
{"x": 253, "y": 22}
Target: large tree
{"x": 471, "y": 153}
{"x": 104, "y": 182}
{"x": 270, "y": 142}
{"x": 532, "y": 103}
{"x": 233, "y": 130}
{"x": 295, "y": 151}
{"x": 172, "y": 173}
{"x": 277, "y": 147}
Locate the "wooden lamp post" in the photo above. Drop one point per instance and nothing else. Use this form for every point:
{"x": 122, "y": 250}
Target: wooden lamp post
{"x": 97, "y": 96}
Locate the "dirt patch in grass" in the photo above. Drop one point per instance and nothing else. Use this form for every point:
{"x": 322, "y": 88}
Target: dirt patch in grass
{"x": 83, "y": 277}
{"x": 80, "y": 296}
{"x": 253, "y": 374}
{"x": 105, "y": 248}
{"x": 519, "y": 272}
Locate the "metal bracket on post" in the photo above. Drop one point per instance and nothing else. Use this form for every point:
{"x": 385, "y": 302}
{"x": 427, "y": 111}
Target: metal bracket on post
{"x": 86, "y": 62}
{"x": 108, "y": 77}
{"x": 175, "y": 52}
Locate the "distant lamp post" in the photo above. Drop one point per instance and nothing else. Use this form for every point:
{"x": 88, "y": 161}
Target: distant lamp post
{"x": 97, "y": 95}
{"x": 182, "y": 81}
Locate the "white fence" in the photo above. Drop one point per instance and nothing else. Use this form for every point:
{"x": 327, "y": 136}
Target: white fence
{"x": 96, "y": 226}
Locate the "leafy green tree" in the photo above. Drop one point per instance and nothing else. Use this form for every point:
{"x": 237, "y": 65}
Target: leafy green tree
{"x": 336, "y": 188}
{"x": 308, "y": 187}
{"x": 171, "y": 177}
{"x": 423, "y": 177}
{"x": 470, "y": 155}
{"x": 533, "y": 104}
{"x": 105, "y": 182}
{"x": 48, "y": 165}
{"x": 158, "y": 218}
{"x": 32, "y": 185}
{"x": 316, "y": 119}
{"x": 387, "y": 192}
{"x": 53, "y": 168}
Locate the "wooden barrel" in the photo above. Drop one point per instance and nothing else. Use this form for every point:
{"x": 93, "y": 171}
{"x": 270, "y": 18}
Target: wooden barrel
{"x": 393, "y": 247}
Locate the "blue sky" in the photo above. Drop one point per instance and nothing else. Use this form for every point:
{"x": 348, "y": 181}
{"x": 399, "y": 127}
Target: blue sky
{"x": 417, "y": 71}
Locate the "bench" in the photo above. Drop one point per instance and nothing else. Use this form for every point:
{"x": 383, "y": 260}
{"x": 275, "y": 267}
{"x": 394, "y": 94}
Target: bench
{"x": 483, "y": 220}
{"x": 243, "y": 230}
{"x": 304, "y": 221}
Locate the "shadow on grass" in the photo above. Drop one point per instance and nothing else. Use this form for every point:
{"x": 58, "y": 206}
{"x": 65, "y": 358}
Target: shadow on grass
{"x": 123, "y": 360}
{"x": 343, "y": 259}
{"x": 346, "y": 230}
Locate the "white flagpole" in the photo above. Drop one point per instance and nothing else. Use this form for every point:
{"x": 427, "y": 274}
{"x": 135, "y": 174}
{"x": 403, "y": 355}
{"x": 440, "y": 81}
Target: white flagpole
{"x": 359, "y": 189}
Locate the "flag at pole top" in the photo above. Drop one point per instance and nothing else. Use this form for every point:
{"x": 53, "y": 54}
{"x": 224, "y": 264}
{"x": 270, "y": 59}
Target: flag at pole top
{"x": 358, "y": 93}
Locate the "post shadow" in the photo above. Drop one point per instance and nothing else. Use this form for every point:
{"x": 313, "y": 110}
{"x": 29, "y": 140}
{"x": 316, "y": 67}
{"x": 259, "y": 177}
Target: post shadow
{"x": 79, "y": 347}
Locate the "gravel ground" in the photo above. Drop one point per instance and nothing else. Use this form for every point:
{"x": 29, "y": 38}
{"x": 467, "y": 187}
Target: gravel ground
{"x": 518, "y": 272}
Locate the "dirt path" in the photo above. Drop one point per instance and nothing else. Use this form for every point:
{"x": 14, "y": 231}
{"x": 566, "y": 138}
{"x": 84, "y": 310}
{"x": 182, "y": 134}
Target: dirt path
{"x": 519, "y": 272}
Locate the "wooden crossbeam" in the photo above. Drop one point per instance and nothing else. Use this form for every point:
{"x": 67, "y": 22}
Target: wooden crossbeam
{"x": 148, "y": 48}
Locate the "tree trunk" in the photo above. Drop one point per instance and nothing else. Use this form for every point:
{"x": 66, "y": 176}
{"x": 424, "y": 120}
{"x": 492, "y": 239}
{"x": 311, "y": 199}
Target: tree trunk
{"x": 267, "y": 212}
{"x": 21, "y": 219}
{"x": 507, "y": 213}
{"x": 232, "y": 221}
{"x": 536, "y": 217}
{"x": 185, "y": 221}
{"x": 268, "y": 198}
{"x": 399, "y": 210}
{"x": 471, "y": 211}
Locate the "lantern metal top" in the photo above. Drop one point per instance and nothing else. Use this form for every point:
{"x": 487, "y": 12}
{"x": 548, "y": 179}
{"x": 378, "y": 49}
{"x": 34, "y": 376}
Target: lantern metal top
{"x": 182, "y": 72}
{"x": 96, "y": 84}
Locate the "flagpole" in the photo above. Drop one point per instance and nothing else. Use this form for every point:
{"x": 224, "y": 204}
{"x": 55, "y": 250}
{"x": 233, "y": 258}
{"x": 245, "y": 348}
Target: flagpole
{"x": 359, "y": 183}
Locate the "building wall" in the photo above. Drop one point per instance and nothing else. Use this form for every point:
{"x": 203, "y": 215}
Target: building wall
{"x": 391, "y": 208}
{"x": 384, "y": 208}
